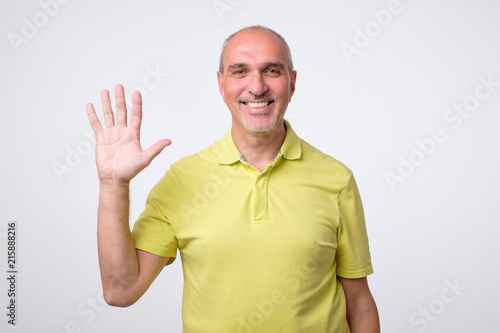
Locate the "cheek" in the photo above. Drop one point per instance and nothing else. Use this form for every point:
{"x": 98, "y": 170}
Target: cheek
{"x": 283, "y": 95}
{"x": 281, "y": 89}
{"x": 231, "y": 91}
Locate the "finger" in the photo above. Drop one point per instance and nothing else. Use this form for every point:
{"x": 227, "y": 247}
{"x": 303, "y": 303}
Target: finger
{"x": 94, "y": 120}
{"x": 109, "y": 118}
{"x": 121, "y": 106}
{"x": 136, "y": 116}
{"x": 154, "y": 150}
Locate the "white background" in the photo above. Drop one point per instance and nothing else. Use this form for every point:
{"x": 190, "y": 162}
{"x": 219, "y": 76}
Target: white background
{"x": 437, "y": 228}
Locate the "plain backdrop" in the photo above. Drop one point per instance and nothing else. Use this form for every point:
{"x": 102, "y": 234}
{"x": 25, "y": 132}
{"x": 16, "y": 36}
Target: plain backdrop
{"x": 406, "y": 93}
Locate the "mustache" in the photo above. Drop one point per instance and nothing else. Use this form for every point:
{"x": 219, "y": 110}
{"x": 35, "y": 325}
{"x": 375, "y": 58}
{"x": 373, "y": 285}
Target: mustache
{"x": 254, "y": 98}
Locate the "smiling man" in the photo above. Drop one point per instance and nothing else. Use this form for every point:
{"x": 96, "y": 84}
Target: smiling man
{"x": 257, "y": 81}
{"x": 270, "y": 230}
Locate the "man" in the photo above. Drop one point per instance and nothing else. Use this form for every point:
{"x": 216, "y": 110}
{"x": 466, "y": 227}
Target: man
{"x": 270, "y": 230}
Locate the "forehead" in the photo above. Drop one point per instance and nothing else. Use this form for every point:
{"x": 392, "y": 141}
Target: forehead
{"x": 254, "y": 47}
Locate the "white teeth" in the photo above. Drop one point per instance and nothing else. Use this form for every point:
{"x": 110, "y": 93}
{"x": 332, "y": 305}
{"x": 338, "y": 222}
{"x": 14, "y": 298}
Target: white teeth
{"x": 258, "y": 105}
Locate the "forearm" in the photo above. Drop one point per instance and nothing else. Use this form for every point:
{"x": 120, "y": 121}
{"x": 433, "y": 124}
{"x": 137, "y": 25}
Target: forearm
{"x": 117, "y": 254}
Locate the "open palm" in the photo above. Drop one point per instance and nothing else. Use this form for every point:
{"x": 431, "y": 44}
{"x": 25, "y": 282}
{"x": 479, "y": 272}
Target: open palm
{"x": 119, "y": 156}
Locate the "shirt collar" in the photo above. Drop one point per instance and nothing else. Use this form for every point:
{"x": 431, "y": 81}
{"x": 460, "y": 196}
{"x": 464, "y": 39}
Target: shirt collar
{"x": 290, "y": 149}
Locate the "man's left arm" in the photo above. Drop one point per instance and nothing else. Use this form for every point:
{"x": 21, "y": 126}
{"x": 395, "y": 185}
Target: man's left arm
{"x": 362, "y": 313}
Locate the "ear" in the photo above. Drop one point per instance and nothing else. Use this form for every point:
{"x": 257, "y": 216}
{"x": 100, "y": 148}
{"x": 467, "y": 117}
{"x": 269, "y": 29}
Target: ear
{"x": 293, "y": 78}
{"x": 220, "y": 82}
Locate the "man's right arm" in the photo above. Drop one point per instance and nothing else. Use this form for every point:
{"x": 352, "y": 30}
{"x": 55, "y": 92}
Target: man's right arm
{"x": 126, "y": 273}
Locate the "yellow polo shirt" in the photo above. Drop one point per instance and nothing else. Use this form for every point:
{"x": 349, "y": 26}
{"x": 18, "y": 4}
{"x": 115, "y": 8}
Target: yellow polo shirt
{"x": 260, "y": 251}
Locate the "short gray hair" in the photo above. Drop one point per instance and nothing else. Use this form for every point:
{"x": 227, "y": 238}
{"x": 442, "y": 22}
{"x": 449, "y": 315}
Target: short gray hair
{"x": 262, "y": 28}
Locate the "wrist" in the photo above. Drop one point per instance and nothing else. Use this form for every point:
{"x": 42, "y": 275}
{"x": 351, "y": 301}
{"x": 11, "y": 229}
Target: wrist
{"x": 114, "y": 186}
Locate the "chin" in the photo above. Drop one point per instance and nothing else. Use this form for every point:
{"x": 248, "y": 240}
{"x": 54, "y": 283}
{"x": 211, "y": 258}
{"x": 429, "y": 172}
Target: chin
{"x": 260, "y": 129}
{"x": 258, "y": 132}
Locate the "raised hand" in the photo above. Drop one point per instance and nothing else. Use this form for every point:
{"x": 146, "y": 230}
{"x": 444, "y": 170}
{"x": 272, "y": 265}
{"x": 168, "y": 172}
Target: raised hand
{"x": 119, "y": 156}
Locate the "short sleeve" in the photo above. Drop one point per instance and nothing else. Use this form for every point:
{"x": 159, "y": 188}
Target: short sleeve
{"x": 353, "y": 254}
{"x": 153, "y": 231}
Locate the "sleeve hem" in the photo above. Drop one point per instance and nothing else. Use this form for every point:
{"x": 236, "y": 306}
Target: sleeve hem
{"x": 168, "y": 253}
{"x": 355, "y": 274}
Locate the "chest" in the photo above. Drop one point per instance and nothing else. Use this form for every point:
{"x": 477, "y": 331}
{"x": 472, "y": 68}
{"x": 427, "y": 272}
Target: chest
{"x": 253, "y": 217}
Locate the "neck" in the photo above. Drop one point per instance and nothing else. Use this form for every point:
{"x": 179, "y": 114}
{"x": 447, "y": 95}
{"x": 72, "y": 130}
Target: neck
{"x": 259, "y": 150}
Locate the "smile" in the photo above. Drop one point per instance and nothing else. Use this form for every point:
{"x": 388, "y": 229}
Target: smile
{"x": 257, "y": 105}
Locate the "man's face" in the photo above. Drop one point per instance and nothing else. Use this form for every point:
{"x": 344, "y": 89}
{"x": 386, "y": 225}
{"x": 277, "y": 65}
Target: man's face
{"x": 256, "y": 84}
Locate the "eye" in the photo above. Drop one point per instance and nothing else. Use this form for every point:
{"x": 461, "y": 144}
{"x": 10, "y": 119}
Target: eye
{"x": 273, "y": 72}
{"x": 238, "y": 72}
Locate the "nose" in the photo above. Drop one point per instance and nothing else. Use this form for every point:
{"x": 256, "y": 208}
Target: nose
{"x": 257, "y": 84}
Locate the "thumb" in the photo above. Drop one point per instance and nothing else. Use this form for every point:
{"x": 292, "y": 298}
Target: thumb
{"x": 153, "y": 151}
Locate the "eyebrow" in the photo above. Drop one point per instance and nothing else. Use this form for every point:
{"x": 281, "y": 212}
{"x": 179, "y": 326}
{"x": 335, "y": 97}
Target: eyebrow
{"x": 266, "y": 65}
{"x": 234, "y": 66}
